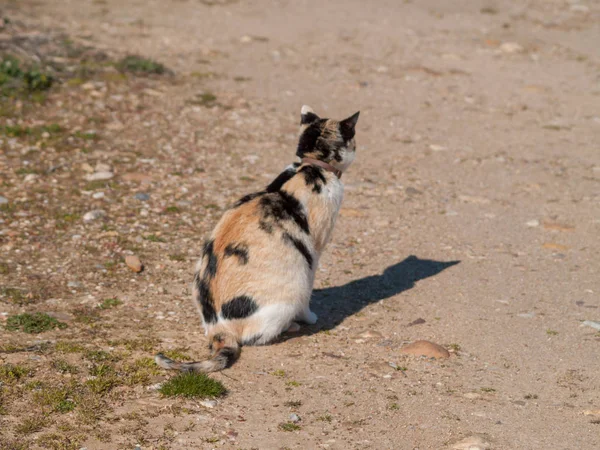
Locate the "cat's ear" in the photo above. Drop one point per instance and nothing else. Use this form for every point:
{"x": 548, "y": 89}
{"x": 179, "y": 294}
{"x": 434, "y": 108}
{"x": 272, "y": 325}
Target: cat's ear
{"x": 307, "y": 115}
{"x": 347, "y": 126}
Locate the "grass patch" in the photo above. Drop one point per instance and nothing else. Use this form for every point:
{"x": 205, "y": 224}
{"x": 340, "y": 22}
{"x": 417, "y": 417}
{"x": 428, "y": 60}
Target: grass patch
{"x": 31, "y": 425}
{"x": 104, "y": 383}
{"x": 109, "y": 303}
{"x": 10, "y": 373}
{"x": 178, "y": 354}
{"x": 178, "y": 257}
{"x": 172, "y": 210}
{"x": 488, "y": 389}
{"x": 153, "y": 238}
{"x": 394, "y": 406}
{"x": 293, "y": 403}
{"x": 17, "y": 296}
{"x": 551, "y": 332}
{"x": 64, "y": 367}
{"x": 68, "y": 347}
{"x": 141, "y": 66}
{"x": 86, "y": 315}
{"x": 144, "y": 344}
{"x": 278, "y": 373}
{"x": 206, "y": 99}
{"x": 141, "y": 371}
{"x": 192, "y": 385}
{"x": 100, "y": 356}
{"x": 293, "y": 383}
{"x": 55, "y": 441}
{"x": 325, "y": 418}
{"x": 33, "y": 323}
{"x": 289, "y": 426}
{"x": 57, "y": 399}
{"x": 4, "y": 269}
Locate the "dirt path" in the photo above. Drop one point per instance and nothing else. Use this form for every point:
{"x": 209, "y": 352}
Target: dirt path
{"x": 474, "y": 204}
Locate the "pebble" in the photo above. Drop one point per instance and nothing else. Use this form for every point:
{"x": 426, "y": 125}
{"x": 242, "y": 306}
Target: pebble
{"x": 94, "y": 215}
{"x": 591, "y": 412}
{"x": 98, "y": 195}
{"x": 134, "y": 263}
{"x": 74, "y": 284}
{"x": 101, "y": 167}
{"x": 139, "y": 177}
{"x": 591, "y": 323}
{"x": 208, "y": 403}
{"x": 294, "y": 418}
{"x": 511, "y": 47}
{"x": 142, "y": 196}
{"x": 87, "y": 168}
{"x": 529, "y": 315}
{"x": 3, "y": 200}
{"x": 472, "y": 443}
{"x": 30, "y": 177}
{"x": 418, "y": 321}
{"x": 425, "y": 348}
{"x": 533, "y": 223}
{"x": 370, "y": 334}
{"x": 472, "y": 395}
{"x": 437, "y": 148}
{"x": 98, "y": 176}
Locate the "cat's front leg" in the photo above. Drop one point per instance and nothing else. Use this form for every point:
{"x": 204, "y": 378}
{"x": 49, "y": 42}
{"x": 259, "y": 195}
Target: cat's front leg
{"x": 307, "y": 316}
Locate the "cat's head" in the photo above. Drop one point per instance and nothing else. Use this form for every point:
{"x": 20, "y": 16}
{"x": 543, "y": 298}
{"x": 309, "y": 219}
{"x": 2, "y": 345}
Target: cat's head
{"x": 327, "y": 140}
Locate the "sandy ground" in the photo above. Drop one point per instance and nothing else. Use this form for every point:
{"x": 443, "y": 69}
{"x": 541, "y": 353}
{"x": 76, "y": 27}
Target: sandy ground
{"x": 473, "y": 204}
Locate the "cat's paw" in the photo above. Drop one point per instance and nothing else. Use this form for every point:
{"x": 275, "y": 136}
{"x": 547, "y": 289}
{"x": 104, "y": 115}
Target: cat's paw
{"x": 310, "y": 318}
{"x": 293, "y": 328}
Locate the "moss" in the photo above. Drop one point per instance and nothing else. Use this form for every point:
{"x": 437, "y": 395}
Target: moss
{"x": 33, "y": 323}
{"x": 10, "y": 373}
{"x": 109, "y": 303}
{"x": 192, "y": 385}
{"x": 289, "y": 426}
{"x": 141, "y": 66}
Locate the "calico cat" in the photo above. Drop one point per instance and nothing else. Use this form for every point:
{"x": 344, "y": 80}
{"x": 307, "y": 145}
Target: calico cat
{"x": 256, "y": 273}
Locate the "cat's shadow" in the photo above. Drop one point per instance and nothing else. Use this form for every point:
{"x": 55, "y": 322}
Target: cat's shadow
{"x": 334, "y": 304}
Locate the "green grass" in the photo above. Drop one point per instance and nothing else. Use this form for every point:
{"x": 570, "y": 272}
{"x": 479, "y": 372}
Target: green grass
{"x": 33, "y": 323}
{"x": 488, "y": 389}
{"x": 99, "y": 356}
{"x": 153, "y": 238}
{"x": 179, "y": 257}
{"x": 141, "y": 66}
{"x": 192, "y": 385}
{"x": 11, "y": 373}
{"x": 172, "y": 210}
{"x": 288, "y": 426}
{"x": 57, "y": 399}
{"x": 177, "y": 354}
{"x": 15, "y": 79}
{"x": 325, "y": 418}
{"x": 278, "y": 373}
{"x": 68, "y": 347}
{"x": 551, "y": 332}
{"x": 141, "y": 371}
{"x": 64, "y": 367}
{"x": 109, "y": 303}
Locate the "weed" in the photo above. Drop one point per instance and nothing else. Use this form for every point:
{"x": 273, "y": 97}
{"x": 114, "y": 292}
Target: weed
{"x": 31, "y": 425}
{"x": 455, "y": 347}
{"x": 325, "y": 418}
{"x": 153, "y": 238}
{"x": 394, "y": 406}
{"x": 141, "y": 371}
{"x": 179, "y": 257}
{"x": 56, "y": 398}
{"x": 551, "y": 332}
{"x": 172, "y": 210}
{"x": 192, "y": 385}
{"x": 60, "y": 441}
{"x": 141, "y": 66}
{"x": 206, "y": 99}
{"x": 102, "y": 384}
{"x": 293, "y": 403}
{"x": 530, "y": 396}
{"x": 109, "y": 303}
{"x": 17, "y": 296}
{"x": 488, "y": 389}
{"x": 177, "y": 354}
{"x": 98, "y": 356}
{"x": 36, "y": 80}
{"x": 10, "y": 373}
{"x": 68, "y": 347}
{"x": 293, "y": 383}
{"x": 278, "y": 373}
{"x": 33, "y": 323}
{"x": 288, "y": 426}
{"x": 64, "y": 367}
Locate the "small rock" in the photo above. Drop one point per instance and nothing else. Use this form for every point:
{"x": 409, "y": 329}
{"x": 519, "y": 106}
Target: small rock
{"x": 294, "y": 418}
{"x": 154, "y": 387}
{"x": 425, "y": 348}
{"x": 142, "y": 196}
{"x": 101, "y": 167}
{"x": 591, "y": 323}
{"x": 533, "y": 223}
{"x": 94, "y": 215}
{"x": 208, "y": 403}
{"x": 418, "y": 321}
{"x": 3, "y": 200}
{"x": 139, "y": 177}
{"x": 87, "y": 168}
{"x": 591, "y": 412}
{"x": 529, "y": 315}
{"x": 246, "y": 39}
{"x": 370, "y": 334}
{"x": 30, "y": 177}
{"x": 437, "y": 148}
{"x": 472, "y": 443}
{"x": 511, "y": 47}
{"x": 98, "y": 195}
{"x": 134, "y": 263}
{"x": 98, "y": 176}
{"x": 472, "y": 395}
{"x": 74, "y": 284}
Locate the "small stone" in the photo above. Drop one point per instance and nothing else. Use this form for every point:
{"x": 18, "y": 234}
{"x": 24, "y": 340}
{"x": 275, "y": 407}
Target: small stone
{"x": 74, "y": 284}
{"x": 591, "y": 323}
{"x": 98, "y": 195}
{"x": 3, "y": 200}
{"x": 418, "y": 321}
{"x": 246, "y": 39}
{"x": 98, "y": 176}
{"x": 101, "y": 167}
{"x": 139, "y": 177}
{"x": 30, "y": 177}
{"x": 294, "y": 418}
{"x": 87, "y": 168}
{"x": 511, "y": 47}
{"x": 591, "y": 412}
{"x": 529, "y": 315}
{"x": 472, "y": 395}
{"x": 533, "y": 223}
{"x": 94, "y": 215}
{"x": 208, "y": 403}
{"x": 437, "y": 148}
{"x": 425, "y": 348}
{"x": 472, "y": 443}
{"x": 142, "y": 196}
{"x": 134, "y": 263}
{"x": 370, "y": 334}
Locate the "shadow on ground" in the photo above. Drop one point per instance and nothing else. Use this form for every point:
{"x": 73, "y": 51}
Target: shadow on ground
{"x": 334, "y": 304}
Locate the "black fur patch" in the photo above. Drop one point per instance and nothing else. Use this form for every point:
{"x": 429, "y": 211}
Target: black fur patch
{"x": 308, "y": 140}
{"x": 239, "y": 308}
{"x": 308, "y": 118}
{"x": 280, "y": 206}
{"x": 211, "y": 265}
{"x": 247, "y": 198}
{"x": 281, "y": 179}
{"x": 300, "y": 247}
{"x": 313, "y": 176}
{"x": 239, "y": 250}
{"x": 206, "y": 300}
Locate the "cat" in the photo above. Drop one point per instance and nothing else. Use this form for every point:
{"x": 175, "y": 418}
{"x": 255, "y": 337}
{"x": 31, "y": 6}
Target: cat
{"x": 256, "y": 273}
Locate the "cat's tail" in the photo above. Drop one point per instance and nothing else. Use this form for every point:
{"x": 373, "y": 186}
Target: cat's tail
{"x": 225, "y": 350}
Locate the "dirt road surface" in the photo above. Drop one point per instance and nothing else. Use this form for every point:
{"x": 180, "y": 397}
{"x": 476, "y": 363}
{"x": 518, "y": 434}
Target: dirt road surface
{"x": 473, "y": 205}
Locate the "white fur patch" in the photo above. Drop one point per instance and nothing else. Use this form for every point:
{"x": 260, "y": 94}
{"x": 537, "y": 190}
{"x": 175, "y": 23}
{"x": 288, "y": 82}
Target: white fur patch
{"x": 306, "y": 109}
